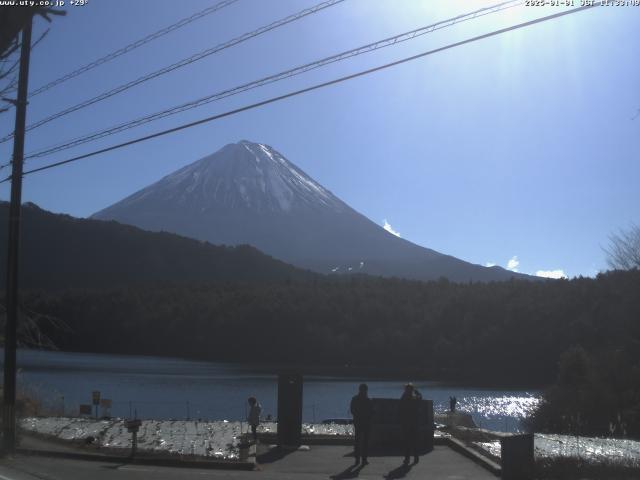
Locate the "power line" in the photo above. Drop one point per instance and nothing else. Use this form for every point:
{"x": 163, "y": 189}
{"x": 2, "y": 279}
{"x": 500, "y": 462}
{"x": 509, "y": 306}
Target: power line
{"x": 184, "y": 62}
{"x": 308, "y": 89}
{"x": 390, "y": 41}
{"x": 133, "y": 46}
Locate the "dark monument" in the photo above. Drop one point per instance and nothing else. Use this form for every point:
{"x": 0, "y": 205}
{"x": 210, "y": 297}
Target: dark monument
{"x": 386, "y": 432}
{"x": 289, "y": 409}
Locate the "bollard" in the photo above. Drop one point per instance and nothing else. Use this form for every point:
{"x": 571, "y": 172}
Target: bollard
{"x": 517, "y": 457}
{"x": 244, "y": 450}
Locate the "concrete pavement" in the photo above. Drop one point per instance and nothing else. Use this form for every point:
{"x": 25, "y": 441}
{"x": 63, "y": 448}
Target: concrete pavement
{"x": 320, "y": 462}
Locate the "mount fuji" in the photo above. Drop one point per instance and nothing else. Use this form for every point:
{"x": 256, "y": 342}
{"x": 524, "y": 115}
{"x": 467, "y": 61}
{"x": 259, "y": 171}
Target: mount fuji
{"x": 248, "y": 193}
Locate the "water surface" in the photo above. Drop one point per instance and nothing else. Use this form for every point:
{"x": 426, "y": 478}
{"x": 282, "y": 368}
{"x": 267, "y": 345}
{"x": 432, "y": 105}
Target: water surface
{"x": 170, "y": 388}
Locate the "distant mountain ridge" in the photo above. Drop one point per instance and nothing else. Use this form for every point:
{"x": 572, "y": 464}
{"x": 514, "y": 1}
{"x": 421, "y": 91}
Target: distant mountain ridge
{"x": 249, "y": 193}
{"x": 60, "y": 251}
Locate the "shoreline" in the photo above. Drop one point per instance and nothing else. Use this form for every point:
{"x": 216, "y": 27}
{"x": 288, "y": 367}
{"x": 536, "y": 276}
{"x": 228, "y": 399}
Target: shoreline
{"x": 357, "y": 373}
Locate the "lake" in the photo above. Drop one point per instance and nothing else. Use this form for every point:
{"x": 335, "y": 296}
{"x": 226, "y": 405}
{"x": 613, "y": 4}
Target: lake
{"x": 171, "y": 388}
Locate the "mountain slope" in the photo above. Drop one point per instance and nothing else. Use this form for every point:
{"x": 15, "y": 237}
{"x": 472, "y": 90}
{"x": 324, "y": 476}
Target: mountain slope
{"x": 248, "y": 193}
{"x": 59, "y": 251}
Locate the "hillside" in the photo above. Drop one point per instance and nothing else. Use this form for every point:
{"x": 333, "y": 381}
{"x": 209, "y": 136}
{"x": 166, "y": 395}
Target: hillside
{"x": 59, "y": 251}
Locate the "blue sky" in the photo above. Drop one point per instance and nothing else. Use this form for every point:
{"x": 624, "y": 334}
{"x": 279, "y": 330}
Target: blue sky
{"x": 516, "y": 150}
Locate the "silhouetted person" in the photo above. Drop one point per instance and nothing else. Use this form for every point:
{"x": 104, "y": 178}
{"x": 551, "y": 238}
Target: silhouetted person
{"x": 253, "y": 418}
{"x": 362, "y": 411}
{"x": 409, "y": 412}
{"x": 452, "y": 404}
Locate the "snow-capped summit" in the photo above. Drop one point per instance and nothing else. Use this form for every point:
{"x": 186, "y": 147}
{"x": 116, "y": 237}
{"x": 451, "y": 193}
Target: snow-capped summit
{"x": 243, "y": 175}
{"x": 249, "y": 193}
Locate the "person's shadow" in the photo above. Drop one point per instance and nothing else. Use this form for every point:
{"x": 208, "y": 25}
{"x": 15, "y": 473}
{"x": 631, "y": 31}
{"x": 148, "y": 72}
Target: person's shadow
{"x": 272, "y": 455}
{"x": 399, "y": 472}
{"x": 350, "y": 472}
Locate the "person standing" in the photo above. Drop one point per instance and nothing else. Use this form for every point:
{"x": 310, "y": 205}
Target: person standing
{"x": 409, "y": 413}
{"x": 253, "y": 417}
{"x": 362, "y": 411}
{"x": 452, "y": 404}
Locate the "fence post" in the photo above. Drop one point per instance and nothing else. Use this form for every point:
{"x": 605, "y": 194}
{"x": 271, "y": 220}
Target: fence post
{"x": 133, "y": 426}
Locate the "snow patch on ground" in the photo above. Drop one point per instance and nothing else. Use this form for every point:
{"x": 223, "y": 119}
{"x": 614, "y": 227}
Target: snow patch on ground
{"x": 590, "y": 449}
{"x": 220, "y": 439}
{"x": 215, "y": 439}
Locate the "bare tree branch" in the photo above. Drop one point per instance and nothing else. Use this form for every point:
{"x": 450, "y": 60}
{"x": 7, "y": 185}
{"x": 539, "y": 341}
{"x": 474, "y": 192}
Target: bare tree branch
{"x": 30, "y": 328}
{"x": 45, "y": 12}
{"x": 623, "y": 252}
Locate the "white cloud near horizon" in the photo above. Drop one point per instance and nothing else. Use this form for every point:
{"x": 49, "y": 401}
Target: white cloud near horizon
{"x": 390, "y": 229}
{"x": 513, "y": 263}
{"x": 557, "y": 274}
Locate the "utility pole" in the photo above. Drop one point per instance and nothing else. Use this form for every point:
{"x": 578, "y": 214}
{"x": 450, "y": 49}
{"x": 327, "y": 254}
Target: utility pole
{"x": 9, "y": 400}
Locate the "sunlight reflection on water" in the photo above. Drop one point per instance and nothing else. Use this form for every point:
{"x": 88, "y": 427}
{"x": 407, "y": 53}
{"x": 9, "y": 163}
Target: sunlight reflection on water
{"x": 490, "y": 411}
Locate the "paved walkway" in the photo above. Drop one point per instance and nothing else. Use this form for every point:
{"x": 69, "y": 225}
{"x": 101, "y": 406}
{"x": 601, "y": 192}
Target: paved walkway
{"x": 320, "y": 462}
{"x": 336, "y": 462}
